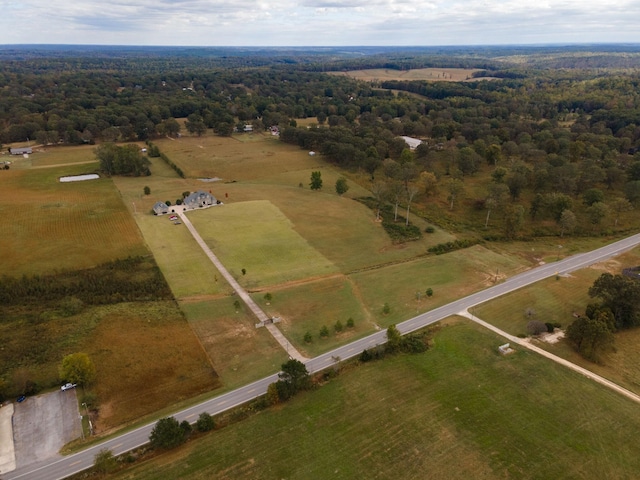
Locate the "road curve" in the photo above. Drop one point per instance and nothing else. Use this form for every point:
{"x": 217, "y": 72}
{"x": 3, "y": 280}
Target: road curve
{"x": 59, "y": 468}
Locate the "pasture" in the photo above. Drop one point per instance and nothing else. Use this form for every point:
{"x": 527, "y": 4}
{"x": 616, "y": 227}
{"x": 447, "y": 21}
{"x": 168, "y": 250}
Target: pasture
{"x": 553, "y": 301}
{"x": 432, "y": 74}
{"x": 460, "y": 410}
{"x": 257, "y": 237}
{"x": 50, "y": 226}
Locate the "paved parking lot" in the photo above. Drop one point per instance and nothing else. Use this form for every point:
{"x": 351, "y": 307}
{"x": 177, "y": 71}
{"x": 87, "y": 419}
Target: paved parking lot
{"x": 43, "y": 424}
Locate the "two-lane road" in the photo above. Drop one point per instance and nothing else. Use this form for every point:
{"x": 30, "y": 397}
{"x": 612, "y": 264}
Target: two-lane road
{"x": 61, "y": 467}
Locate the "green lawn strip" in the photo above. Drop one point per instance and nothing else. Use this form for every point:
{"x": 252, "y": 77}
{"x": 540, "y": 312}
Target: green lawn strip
{"x": 450, "y": 276}
{"x": 310, "y": 306}
{"x": 240, "y": 352}
{"x": 458, "y": 411}
{"x": 257, "y": 237}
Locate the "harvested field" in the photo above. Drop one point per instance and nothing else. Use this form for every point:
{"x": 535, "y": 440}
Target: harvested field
{"x": 51, "y": 226}
{"x": 433, "y": 74}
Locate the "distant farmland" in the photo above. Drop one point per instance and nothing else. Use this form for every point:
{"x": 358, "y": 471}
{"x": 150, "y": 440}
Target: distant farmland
{"x": 434, "y": 74}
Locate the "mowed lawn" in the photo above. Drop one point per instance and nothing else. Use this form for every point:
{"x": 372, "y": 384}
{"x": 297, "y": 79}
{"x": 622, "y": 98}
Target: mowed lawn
{"x": 458, "y": 411}
{"x": 48, "y": 226}
{"x": 258, "y": 237}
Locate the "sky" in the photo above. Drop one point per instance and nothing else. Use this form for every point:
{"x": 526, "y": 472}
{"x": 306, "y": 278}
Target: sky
{"x": 319, "y": 22}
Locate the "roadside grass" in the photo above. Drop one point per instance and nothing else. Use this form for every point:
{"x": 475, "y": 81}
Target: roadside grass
{"x": 240, "y": 352}
{"x": 51, "y": 226}
{"x": 458, "y": 411}
{"x": 307, "y": 307}
{"x": 451, "y": 276}
{"x": 258, "y": 237}
{"x": 556, "y": 301}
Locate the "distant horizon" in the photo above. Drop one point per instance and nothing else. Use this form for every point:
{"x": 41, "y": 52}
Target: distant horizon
{"x": 320, "y": 22}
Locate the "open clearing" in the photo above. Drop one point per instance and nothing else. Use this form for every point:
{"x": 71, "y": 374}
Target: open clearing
{"x": 434, "y": 74}
{"x": 460, "y": 410}
{"x": 49, "y": 226}
{"x": 258, "y": 237}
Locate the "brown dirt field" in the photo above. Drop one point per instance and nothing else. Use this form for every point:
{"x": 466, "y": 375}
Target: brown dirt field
{"x": 145, "y": 360}
{"x": 434, "y": 74}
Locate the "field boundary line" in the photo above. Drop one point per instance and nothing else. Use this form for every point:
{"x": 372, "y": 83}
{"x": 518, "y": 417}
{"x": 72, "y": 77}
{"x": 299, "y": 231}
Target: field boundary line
{"x": 242, "y": 293}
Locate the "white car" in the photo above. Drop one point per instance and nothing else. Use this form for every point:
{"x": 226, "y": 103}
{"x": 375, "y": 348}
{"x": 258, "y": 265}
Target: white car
{"x": 68, "y": 386}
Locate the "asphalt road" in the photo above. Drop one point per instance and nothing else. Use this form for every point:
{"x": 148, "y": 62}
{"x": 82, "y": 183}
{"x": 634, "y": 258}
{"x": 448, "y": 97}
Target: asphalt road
{"x": 62, "y": 467}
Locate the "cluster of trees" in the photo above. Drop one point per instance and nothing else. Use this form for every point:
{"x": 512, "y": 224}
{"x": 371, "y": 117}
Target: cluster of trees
{"x": 122, "y": 160}
{"x": 126, "y": 280}
{"x": 338, "y": 327}
{"x": 293, "y": 378}
{"x": 618, "y": 309}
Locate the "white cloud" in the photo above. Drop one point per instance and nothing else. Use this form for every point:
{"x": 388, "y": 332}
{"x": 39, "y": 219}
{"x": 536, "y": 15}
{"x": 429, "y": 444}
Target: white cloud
{"x": 318, "y": 22}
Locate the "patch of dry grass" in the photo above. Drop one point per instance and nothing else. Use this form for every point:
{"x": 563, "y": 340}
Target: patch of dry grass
{"x": 433, "y": 74}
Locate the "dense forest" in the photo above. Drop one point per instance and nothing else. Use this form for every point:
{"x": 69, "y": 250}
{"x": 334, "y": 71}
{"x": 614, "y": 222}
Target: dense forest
{"x": 555, "y": 129}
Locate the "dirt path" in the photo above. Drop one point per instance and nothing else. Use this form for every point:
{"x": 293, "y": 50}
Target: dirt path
{"x": 242, "y": 293}
{"x": 520, "y": 341}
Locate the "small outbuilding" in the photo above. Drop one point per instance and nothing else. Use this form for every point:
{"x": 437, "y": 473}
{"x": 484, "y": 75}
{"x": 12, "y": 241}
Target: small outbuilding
{"x": 21, "y": 151}
{"x": 160, "y": 208}
{"x": 199, "y": 199}
{"x": 411, "y": 142}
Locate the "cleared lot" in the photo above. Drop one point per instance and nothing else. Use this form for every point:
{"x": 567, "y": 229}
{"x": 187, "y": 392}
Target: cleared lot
{"x": 43, "y": 424}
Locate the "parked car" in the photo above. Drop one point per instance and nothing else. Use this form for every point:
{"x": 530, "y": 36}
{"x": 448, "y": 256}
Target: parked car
{"x": 68, "y": 386}
{"x": 21, "y": 398}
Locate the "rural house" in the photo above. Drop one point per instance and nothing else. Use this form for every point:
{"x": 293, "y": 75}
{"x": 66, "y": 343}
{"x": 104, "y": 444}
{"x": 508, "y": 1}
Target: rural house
{"x": 199, "y": 199}
{"x": 160, "y": 208}
{"x": 21, "y": 151}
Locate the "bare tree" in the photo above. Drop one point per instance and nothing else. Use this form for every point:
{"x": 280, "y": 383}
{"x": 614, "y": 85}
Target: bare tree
{"x": 411, "y": 192}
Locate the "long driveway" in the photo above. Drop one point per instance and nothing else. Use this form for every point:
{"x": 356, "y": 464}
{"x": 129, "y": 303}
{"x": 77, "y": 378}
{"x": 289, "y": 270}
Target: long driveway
{"x": 60, "y": 468}
{"x": 242, "y": 293}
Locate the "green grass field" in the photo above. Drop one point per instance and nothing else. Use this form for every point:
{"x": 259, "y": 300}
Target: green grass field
{"x": 458, "y": 411}
{"x": 256, "y": 236}
{"x": 554, "y": 301}
{"x": 49, "y": 226}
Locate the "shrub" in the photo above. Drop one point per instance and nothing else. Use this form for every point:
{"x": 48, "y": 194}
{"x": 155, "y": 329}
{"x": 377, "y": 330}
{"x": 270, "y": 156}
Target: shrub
{"x": 147, "y": 190}
{"x": 350, "y": 323}
{"x": 430, "y": 229}
{"x": 168, "y": 433}
{"x": 324, "y": 332}
{"x": 338, "y": 326}
{"x": 550, "y": 327}
{"x": 536, "y": 327}
{"x": 205, "y": 422}
{"x": 308, "y": 338}
{"x": 386, "y": 309}
{"x": 104, "y": 461}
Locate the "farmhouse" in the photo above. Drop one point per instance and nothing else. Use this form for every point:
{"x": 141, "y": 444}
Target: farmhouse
{"x": 21, "y": 151}
{"x": 199, "y": 199}
{"x": 160, "y": 208}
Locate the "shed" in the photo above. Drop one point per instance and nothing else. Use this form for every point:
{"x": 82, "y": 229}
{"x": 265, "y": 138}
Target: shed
{"x": 21, "y": 151}
{"x": 412, "y": 142}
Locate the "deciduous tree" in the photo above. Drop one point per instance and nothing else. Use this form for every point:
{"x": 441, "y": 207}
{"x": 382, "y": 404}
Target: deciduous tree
{"x": 77, "y": 368}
